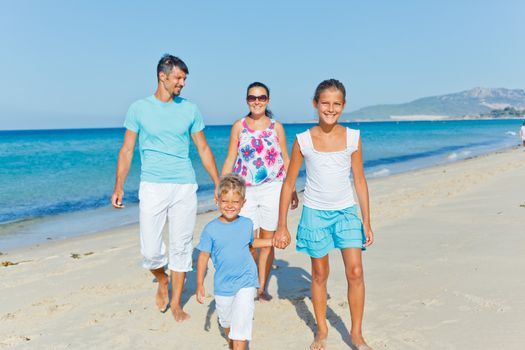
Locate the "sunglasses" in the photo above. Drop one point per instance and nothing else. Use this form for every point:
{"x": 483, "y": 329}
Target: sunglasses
{"x": 261, "y": 98}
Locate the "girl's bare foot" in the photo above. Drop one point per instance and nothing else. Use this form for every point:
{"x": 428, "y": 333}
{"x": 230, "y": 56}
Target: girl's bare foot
{"x": 363, "y": 346}
{"x": 263, "y": 296}
{"x": 359, "y": 342}
{"x": 179, "y": 314}
{"x": 162, "y": 298}
{"x": 319, "y": 342}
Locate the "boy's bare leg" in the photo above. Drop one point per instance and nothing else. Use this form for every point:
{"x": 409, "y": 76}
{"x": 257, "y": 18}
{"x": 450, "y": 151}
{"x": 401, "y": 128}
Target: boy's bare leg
{"x": 356, "y": 292}
{"x": 264, "y": 266}
{"x": 320, "y": 272}
{"x": 239, "y": 344}
{"x": 162, "y": 298}
{"x": 177, "y": 285}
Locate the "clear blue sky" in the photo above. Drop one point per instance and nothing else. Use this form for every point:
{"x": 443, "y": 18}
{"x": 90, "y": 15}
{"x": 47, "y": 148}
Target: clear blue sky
{"x": 68, "y": 64}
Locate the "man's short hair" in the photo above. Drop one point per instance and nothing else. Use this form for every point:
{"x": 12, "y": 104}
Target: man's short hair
{"x": 167, "y": 62}
{"x": 232, "y": 182}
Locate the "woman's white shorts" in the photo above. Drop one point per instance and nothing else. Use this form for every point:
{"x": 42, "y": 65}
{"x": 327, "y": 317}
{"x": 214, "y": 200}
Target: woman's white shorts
{"x": 262, "y": 205}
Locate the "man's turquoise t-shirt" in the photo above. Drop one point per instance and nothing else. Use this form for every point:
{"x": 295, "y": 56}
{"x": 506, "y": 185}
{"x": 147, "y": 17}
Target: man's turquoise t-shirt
{"x": 164, "y": 130}
{"x": 228, "y": 245}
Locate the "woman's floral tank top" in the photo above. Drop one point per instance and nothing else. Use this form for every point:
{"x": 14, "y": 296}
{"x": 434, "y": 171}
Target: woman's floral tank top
{"x": 259, "y": 158}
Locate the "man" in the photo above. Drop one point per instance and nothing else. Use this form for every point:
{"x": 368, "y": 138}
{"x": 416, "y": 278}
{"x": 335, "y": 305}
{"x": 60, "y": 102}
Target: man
{"x": 164, "y": 123}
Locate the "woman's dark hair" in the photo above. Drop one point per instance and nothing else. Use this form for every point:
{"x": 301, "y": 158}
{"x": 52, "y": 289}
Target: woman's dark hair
{"x": 168, "y": 62}
{"x": 329, "y": 84}
{"x": 261, "y": 85}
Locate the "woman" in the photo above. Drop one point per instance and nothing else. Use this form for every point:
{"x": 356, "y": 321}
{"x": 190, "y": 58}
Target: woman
{"x": 257, "y": 151}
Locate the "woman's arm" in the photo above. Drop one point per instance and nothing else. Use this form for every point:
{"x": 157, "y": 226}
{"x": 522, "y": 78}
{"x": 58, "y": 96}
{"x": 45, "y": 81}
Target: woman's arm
{"x": 227, "y": 166}
{"x": 281, "y": 135}
{"x": 281, "y": 239}
{"x": 361, "y": 188}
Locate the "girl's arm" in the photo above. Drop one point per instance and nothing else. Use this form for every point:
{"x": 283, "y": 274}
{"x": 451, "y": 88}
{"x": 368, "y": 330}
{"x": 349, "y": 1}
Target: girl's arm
{"x": 202, "y": 265}
{"x": 227, "y": 166}
{"x": 281, "y": 135}
{"x": 361, "y": 188}
{"x": 281, "y": 238}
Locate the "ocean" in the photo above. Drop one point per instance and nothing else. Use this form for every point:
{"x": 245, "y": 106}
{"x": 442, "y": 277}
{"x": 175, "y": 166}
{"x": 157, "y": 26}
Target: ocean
{"x": 58, "y": 183}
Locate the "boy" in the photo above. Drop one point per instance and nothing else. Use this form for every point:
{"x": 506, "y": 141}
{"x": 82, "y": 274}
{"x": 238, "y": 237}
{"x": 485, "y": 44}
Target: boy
{"x": 227, "y": 239}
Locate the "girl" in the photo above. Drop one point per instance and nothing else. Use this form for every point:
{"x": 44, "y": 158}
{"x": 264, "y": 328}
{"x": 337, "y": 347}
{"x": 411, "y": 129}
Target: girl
{"x": 258, "y": 153}
{"x": 329, "y": 219}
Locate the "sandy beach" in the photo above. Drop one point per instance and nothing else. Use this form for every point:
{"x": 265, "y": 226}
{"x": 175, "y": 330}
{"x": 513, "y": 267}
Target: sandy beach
{"x": 446, "y": 272}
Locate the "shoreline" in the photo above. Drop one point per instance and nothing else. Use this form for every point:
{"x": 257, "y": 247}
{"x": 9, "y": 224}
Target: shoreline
{"x": 442, "y": 274}
{"x": 36, "y": 229}
{"x": 441, "y": 234}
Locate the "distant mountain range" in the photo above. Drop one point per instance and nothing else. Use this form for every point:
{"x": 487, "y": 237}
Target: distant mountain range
{"x": 466, "y": 104}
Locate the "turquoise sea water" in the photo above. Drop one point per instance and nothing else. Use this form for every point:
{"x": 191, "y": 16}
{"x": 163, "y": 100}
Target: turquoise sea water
{"x": 57, "y": 183}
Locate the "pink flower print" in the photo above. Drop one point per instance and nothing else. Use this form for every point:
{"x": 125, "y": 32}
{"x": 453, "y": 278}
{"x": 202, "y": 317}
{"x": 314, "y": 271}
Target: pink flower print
{"x": 271, "y": 156}
{"x": 258, "y": 163}
{"x": 257, "y": 144}
{"x": 247, "y": 152}
{"x": 237, "y": 168}
{"x": 266, "y": 133}
{"x": 280, "y": 174}
{"x": 244, "y": 171}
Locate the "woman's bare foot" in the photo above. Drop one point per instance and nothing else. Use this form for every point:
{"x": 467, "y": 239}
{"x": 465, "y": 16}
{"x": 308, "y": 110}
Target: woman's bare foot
{"x": 319, "y": 342}
{"x": 263, "y": 296}
{"x": 162, "y": 298}
{"x": 179, "y": 314}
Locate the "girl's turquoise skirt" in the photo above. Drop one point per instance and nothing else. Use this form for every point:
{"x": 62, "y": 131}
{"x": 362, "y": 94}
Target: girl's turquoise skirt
{"x": 320, "y": 231}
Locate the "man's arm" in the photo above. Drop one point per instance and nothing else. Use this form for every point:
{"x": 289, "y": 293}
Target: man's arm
{"x": 125, "y": 157}
{"x": 206, "y": 155}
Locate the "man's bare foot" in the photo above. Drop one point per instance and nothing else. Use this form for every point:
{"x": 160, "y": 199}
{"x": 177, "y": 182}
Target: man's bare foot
{"x": 263, "y": 296}
{"x": 179, "y": 315}
{"x": 319, "y": 342}
{"x": 162, "y": 298}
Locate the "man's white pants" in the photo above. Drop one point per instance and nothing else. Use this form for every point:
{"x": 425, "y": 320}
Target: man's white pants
{"x": 178, "y": 204}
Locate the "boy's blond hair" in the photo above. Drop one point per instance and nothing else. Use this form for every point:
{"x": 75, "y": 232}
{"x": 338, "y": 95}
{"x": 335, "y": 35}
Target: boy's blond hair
{"x": 232, "y": 182}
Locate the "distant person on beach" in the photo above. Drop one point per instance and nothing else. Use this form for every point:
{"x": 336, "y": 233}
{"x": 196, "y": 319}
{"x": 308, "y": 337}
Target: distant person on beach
{"x": 164, "y": 124}
{"x": 226, "y": 240}
{"x": 522, "y": 133}
{"x": 257, "y": 152}
{"x": 329, "y": 218}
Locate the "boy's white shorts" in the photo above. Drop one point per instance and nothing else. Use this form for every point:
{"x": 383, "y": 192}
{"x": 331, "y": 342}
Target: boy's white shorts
{"x": 236, "y": 312}
{"x": 262, "y": 205}
{"x": 178, "y": 204}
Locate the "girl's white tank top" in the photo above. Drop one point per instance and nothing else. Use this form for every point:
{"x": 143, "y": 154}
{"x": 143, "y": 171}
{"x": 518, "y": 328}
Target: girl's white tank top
{"x": 328, "y": 185}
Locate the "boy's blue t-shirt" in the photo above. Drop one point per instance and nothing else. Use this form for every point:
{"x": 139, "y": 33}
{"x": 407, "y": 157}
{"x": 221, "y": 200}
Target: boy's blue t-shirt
{"x": 228, "y": 244}
{"x": 164, "y": 130}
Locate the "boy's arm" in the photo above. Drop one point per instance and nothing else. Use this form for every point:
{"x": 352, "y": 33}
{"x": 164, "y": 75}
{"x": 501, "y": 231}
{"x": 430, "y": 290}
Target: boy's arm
{"x": 202, "y": 264}
{"x": 262, "y": 242}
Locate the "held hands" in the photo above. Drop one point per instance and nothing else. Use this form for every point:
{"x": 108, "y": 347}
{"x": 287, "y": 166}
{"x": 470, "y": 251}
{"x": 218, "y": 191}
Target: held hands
{"x": 281, "y": 238}
{"x": 199, "y": 294}
{"x": 116, "y": 199}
